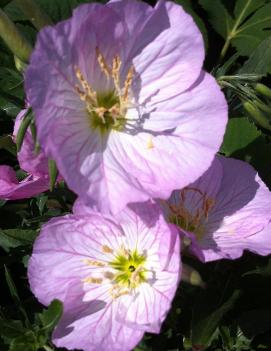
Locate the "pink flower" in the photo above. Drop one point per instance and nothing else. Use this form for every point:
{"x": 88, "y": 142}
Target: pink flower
{"x": 116, "y": 280}
{"x": 12, "y": 189}
{"x": 122, "y": 104}
{"x": 36, "y": 165}
{"x": 226, "y": 211}
{"x": 29, "y": 160}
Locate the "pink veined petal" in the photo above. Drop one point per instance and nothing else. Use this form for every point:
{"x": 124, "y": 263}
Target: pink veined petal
{"x": 92, "y": 326}
{"x": 239, "y": 216}
{"x": 164, "y": 43}
{"x": 209, "y": 183}
{"x": 148, "y": 309}
{"x": 11, "y": 189}
{"x": 61, "y": 252}
{"x": 153, "y": 161}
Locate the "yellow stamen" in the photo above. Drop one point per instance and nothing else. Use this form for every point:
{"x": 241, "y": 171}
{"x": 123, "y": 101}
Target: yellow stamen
{"x": 128, "y": 83}
{"x": 92, "y": 280}
{"x": 115, "y": 73}
{"x": 94, "y": 263}
{"x": 101, "y": 60}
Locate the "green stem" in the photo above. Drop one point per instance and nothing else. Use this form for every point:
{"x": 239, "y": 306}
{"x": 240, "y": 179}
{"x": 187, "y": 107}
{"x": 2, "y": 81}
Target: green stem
{"x": 34, "y": 13}
{"x": 232, "y": 33}
{"x": 15, "y": 41}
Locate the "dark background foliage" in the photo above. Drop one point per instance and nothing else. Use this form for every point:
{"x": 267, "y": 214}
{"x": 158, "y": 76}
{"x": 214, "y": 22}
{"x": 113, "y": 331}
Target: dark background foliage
{"x": 233, "y": 310}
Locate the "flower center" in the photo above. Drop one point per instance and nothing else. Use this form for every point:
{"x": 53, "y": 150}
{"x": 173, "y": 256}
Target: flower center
{"x": 130, "y": 268}
{"x": 125, "y": 271}
{"x": 106, "y": 110}
{"x": 192, "y": 221}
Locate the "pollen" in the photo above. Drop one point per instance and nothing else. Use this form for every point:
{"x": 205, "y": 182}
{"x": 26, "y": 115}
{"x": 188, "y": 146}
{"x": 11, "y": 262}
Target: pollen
{"x": 107, "y": 249}
{"x": 92, "y": 280}
{"x": 150, "y": 144}
{"x": 94, "y": 263}
{"x": 107, "y": 110}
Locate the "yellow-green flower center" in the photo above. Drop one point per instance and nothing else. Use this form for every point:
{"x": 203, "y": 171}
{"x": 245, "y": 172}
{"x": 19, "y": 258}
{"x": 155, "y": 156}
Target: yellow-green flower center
{"x": 130, "y": 269}
{"x": 125, "y": 272}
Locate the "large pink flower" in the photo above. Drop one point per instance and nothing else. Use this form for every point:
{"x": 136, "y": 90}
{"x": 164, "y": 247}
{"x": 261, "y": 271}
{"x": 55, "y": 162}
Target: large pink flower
{"x": 116, "y": 280}
{"x": 121, "y": 101}
{"x": 36, "y": 166}
{"x": 226, "y": 211}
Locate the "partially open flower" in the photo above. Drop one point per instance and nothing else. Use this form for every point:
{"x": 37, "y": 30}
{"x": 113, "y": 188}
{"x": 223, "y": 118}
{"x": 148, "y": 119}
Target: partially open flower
{"x": 116, "y": 280}
{"x": 226, "y": 211}
{"x": 121, "y": 102}
{"x": 36, "y": 165}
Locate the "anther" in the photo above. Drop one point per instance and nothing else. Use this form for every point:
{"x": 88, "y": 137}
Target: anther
{"x": 102, "y": 63}
{"x": 107, "y": 249}
{"x": 128, "y": 82}
{"x": 91, "y": 280}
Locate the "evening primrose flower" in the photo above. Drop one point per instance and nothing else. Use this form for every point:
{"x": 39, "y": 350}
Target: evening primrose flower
{"x": 122, "y": 104}
{"x": 34, "y": 164}
{"x": 226, "y": 211}
{"x": 116, "y": 279}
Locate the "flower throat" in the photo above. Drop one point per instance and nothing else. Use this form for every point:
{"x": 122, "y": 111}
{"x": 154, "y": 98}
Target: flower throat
{"x": 106, "y": 110}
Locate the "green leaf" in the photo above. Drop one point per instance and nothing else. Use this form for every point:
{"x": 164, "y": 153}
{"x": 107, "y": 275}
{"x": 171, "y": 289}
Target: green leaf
{"x": 11, "y": 286}
{"x": 59, "y": 9}
{"x": 260, "y": 59}
{"x": 207, "y": 315}
{"x": 50, "y": 317}
{"x": 218, "y": 16}
{"x": 7, "y": 143}
{"x": 10, "y": 329}
{"x": 11, "y": 238}
{"x": 187, "y": 5}
{"x": 10, "y": 107}
{"x": 26, "y": 342}
{"x": 239, "y": 134}
{"x": 264, "y": 271}
{"x": 249, "y": 26}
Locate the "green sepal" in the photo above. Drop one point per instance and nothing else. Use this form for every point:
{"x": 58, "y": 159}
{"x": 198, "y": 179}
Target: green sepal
{"x": 53, "y": 173}
{"x": 22, "y": 129}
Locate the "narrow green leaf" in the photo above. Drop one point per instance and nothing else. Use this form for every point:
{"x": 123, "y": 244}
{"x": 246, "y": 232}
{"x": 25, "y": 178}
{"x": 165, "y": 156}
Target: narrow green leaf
{"x": 53, "y": 173}
{"x": 14, "y": 294}
{"x": 22, "y": 129}
{"x": 12, "y": 288}
{"x": 10, "y": 329}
